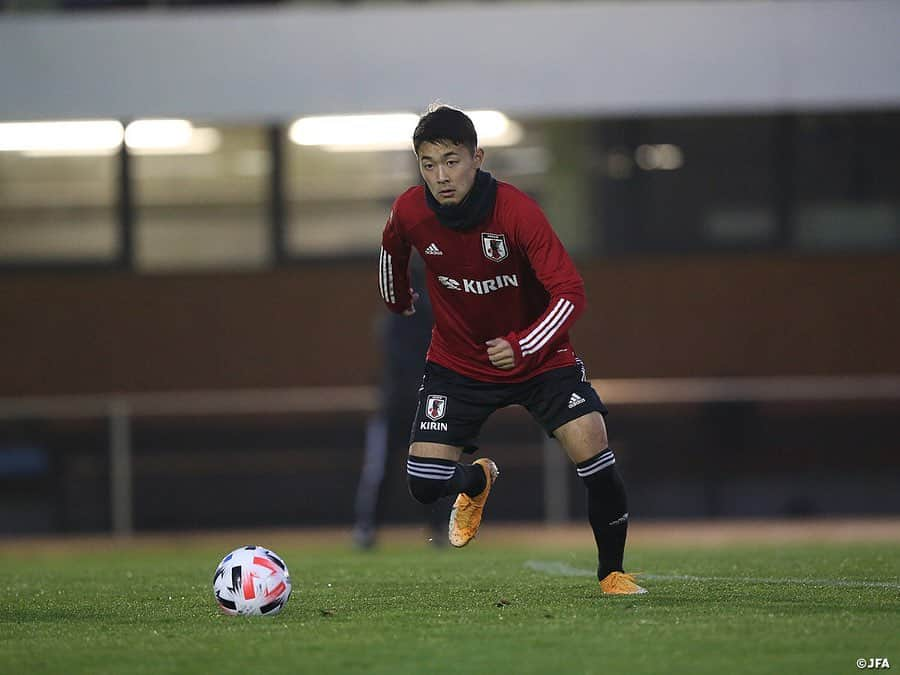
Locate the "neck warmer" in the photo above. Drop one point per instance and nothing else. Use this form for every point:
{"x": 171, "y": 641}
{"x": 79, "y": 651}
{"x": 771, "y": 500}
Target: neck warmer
{"x": 472, "y": 210}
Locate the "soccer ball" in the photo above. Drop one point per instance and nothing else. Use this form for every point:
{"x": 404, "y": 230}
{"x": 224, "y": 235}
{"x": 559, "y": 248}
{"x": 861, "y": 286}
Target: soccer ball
{"x": 251, "y": 581}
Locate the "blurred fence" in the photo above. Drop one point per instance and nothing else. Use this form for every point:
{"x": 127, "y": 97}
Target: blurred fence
{"x": 732, "y": 414}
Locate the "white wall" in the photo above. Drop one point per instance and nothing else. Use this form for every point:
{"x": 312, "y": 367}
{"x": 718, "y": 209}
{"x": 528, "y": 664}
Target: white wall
{"x": 527, "y": 59}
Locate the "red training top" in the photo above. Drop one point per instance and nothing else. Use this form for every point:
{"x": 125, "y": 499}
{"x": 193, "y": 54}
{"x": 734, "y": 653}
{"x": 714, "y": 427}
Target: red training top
{"x": 508, "y": 277}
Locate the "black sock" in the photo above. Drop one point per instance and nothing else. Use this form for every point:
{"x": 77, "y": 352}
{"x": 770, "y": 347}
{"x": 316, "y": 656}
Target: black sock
{"x": 430, "y": 478}
{"x": 474, "y": 480}
{"x": 607, "y": 510}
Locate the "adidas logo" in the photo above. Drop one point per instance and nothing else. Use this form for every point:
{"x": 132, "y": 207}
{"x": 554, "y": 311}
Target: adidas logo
{"x": 620, "y": 521}
{"x": 433, "y": 250}
{"x": 574, "y": 400}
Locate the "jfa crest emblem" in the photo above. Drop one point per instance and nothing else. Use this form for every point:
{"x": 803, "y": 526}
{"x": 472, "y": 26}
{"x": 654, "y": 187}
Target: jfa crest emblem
{"x": 494, "y": 246}
{"x": 435, "y": 406}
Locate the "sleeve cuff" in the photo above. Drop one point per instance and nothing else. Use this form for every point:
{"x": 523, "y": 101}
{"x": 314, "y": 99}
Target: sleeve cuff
{"x": 513, "y": 340}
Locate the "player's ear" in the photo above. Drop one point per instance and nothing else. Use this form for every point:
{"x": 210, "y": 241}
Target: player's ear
{"x": 479, "y": 157}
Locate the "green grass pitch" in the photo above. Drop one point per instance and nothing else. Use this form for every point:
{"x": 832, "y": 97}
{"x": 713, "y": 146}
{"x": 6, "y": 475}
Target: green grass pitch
{"x": 407, "y": 608}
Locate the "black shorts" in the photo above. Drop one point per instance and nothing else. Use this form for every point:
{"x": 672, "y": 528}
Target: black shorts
{"x": 452, "y": 407}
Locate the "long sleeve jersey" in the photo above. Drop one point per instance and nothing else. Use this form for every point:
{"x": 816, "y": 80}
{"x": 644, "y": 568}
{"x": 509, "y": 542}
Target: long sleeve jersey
{"x": 508, "y": 277}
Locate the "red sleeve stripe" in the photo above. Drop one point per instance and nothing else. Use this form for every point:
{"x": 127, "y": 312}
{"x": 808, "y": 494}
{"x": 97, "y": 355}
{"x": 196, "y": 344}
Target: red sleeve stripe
{"x": 542, "y": 334}
{"x": 386, "y": 278}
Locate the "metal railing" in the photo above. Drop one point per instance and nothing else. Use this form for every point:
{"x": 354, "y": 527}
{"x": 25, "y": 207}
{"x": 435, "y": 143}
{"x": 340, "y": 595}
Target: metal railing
{"x": 119, "y": 409}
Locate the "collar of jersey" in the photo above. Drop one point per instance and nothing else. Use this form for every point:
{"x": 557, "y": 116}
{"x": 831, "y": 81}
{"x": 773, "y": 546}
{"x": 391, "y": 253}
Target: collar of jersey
{"x": 472, "y": 210}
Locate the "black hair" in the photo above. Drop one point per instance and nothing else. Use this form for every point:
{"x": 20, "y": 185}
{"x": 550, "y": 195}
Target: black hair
{"x": 442, "y": 124}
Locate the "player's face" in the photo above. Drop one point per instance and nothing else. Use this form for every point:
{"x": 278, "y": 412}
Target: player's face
{"x": 449, "y": 170}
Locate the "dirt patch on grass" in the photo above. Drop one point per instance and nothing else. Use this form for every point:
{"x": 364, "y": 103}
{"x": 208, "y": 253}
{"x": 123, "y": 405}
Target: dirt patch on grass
{"x": 678, "y": 533}
{"x": 708, "y": 533}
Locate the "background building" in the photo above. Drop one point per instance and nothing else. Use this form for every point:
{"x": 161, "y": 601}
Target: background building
{"x": 188, "y": 289}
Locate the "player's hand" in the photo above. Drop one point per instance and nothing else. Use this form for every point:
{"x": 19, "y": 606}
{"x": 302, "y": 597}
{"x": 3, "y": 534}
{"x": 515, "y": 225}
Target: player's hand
{"x": 412, "y": 303}
{"x": 501, "y": 353}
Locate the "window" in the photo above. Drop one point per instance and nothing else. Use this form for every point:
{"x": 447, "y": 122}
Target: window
{"x": 847, "y": 192}
{"x": 206, "y": 197}
{"x": 58, "y": 209}
{"x": 688, "y": 184}
{"x": 204, "y": 206}
{"x": 823, "y": 182}
{"x": 338, "y": 202}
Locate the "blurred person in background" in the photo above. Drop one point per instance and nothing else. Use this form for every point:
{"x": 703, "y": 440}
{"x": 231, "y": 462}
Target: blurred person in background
{"x": 504, "y": 293}
{"x": 402, "y": 342}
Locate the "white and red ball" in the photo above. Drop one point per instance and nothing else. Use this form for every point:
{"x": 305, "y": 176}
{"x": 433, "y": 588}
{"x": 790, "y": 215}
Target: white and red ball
{"x": 252, "y": 580}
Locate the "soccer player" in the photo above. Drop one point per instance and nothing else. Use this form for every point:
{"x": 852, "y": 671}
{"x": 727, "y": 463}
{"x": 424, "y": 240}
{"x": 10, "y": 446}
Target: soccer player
{"x": 504, "y": 293}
